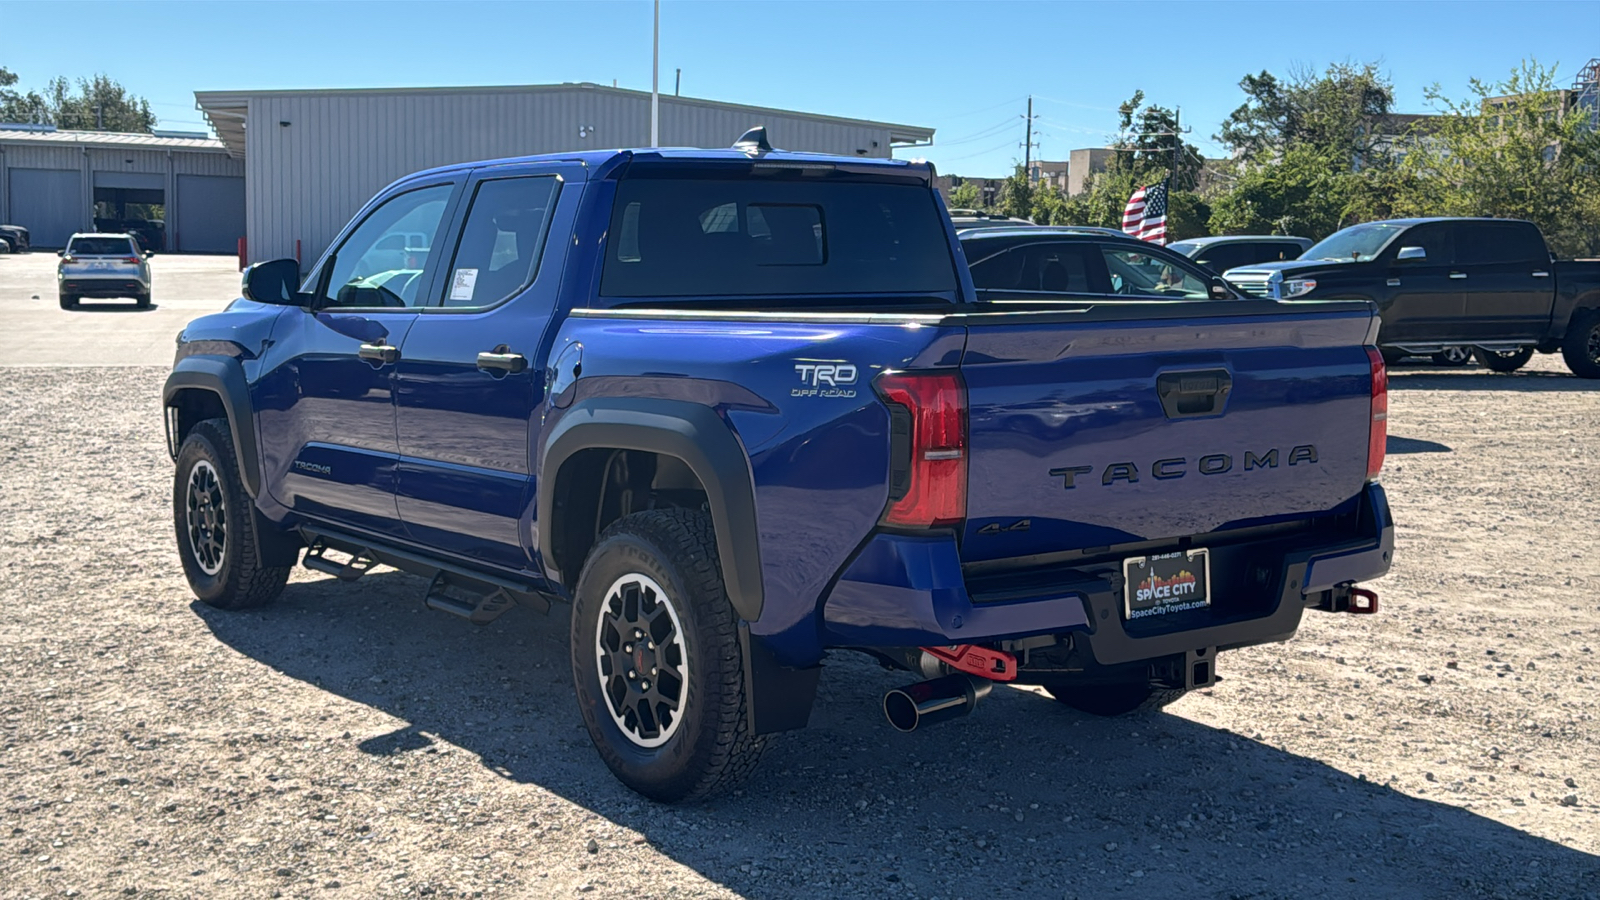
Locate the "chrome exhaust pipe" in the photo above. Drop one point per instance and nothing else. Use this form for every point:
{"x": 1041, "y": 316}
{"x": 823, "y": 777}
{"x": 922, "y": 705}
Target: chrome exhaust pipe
{"x": 934, "y": 701}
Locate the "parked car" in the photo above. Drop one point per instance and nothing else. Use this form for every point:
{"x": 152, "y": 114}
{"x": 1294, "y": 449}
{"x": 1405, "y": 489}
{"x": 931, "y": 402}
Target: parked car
{"x": 1219, "y": 254}
{"x": 102, "y": 266}
{"x": 1010, "y": 264}
{"x": 973, "y": 218}
{"x": 1442, "y": 283}
{"x": 745, "y": 408}
{"x": 16, "y": 237}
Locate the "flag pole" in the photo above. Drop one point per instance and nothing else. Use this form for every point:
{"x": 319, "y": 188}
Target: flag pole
{"x": 655, "y": 81}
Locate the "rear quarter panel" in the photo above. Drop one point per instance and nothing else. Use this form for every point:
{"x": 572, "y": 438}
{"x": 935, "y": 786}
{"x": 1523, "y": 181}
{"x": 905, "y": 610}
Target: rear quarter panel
{"x": 818, "y": 454}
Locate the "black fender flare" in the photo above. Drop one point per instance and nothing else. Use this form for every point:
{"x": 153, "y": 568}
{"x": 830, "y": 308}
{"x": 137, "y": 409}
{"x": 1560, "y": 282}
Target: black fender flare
{"x": 690, "y": 432}
{"x": 223, "y": 376}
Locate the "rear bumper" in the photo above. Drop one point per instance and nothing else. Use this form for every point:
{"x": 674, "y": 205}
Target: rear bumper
{"x": 904, "y": 591}
{"x": 103, "y": 287}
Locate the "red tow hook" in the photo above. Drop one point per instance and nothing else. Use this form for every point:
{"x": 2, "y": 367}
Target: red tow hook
{"x": 995, "y": 665}
{"x": 1362, "y": 601}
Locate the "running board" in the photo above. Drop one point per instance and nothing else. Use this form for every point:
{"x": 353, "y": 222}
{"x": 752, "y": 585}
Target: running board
{"x": 1430, "y": 348}
{"x": 478, "y": 597}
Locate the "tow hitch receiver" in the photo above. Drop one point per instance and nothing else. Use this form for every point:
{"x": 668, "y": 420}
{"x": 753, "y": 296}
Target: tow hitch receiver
{"x": 995, "y": 665}
{"x": 1363, "y": 601}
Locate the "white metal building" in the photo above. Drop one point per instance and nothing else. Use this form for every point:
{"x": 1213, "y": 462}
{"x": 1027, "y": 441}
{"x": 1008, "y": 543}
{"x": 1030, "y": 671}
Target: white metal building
{"x": 312, "y": 158}
{"x": 57, "y": 182}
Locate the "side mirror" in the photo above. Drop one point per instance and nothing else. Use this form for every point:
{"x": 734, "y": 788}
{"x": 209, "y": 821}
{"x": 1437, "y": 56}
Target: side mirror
{"x": 1220, "y": 289}
{"x": 275, "y": 281}
{"x": 61, "y": 253}
{"x": 1407, "y": 253}
{"x": 149, "y": 253}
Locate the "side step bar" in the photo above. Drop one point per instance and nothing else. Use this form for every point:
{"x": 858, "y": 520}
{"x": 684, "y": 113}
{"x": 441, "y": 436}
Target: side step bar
{"x": 478, "y": 597}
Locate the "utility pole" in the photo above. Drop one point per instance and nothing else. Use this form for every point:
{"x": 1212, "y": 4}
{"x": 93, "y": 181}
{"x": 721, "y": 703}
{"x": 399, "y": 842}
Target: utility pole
{"x": 677, "y": 82}
{"x": 655, "y": 81}
{"x": 1027, "y": 144}
{"x": 1177, "y": 145}
{"x": 99, "y": 117}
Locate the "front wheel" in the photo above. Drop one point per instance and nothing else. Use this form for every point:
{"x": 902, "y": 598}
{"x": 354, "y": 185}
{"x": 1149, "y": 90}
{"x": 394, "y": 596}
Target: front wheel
{"x": 1452, "y": 356}
{"x": 1503, "y": 360}
{"x": 656, "y": 659}
{"x": 216, "y": 524}
{"x": 1116, "y": 699}
{"x": 1581, "y": 347}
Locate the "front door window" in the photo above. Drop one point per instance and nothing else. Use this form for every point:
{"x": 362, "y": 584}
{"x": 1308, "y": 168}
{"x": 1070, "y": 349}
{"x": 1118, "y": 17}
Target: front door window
{"x": 383, "y": 262}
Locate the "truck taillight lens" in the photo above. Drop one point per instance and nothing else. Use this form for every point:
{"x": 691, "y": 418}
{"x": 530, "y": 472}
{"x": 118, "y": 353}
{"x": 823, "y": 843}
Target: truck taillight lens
{"x": 928, "y": 438}
{"x": 1379, "y": 436}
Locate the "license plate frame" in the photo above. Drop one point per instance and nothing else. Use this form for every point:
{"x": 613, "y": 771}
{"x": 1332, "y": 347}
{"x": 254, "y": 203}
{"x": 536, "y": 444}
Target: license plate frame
{"x": 1181, "y": 583}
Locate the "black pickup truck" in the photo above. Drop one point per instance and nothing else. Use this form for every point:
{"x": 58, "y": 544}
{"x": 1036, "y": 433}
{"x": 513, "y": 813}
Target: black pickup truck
{"x": 1488, "y": 284}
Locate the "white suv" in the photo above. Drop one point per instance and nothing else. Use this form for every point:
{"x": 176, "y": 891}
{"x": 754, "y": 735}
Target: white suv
{"x": 103, "y": 265}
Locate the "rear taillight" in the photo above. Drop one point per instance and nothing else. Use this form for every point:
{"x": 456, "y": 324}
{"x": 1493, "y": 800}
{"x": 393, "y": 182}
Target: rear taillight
{"x": 1378, "y": 438}
{"x": 131, "y": 259}
{"x": 69, "y": 259}
{"x": 928, "y": 437}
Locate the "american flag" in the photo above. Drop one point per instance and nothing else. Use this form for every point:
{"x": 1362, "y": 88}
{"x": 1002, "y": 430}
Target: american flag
{"x": 1146, "y": 214}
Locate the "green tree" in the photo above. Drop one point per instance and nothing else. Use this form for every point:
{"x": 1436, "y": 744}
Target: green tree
{"x": 1512, "y": 149}
{"x": 965, "y": 195}
{"x": 1016, "y": 195}
{"x": 97, "y": 103}
{"x": 1148, "y": 140}
{"x": 1340, "y": 111}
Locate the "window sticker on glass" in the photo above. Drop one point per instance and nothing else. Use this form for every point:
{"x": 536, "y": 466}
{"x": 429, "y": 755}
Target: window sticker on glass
{"x": 462, "y": 284}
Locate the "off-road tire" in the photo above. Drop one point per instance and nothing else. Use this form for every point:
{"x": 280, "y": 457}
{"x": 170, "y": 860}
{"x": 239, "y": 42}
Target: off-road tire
{"x": 1392, "y": 356}
{"x": 1117, "y": 699}
{"x": 1495, "y": 361}
{"x": 1581, "y": 347}
{"x": 242, "y": 580}
{"x": 710, "y": 749}
{"x": 69, "y": 302}
{"x": 1445, "y": 357}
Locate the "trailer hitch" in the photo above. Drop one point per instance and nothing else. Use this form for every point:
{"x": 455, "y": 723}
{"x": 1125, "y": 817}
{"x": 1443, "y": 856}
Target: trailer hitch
{"x": 995, "y": 665}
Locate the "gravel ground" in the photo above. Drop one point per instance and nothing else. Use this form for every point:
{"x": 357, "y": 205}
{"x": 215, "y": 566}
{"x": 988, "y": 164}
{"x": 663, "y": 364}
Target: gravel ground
{"x": 347, "y": 742}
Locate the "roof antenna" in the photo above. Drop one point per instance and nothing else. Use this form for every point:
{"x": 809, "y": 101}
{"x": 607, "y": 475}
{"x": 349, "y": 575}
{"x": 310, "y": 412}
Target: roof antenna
{"x": 754, "y": 141}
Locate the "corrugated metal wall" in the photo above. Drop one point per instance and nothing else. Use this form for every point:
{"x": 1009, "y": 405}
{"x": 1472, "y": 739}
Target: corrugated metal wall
{"x": 92, "y": 163}
{"x": 309, "y": 176}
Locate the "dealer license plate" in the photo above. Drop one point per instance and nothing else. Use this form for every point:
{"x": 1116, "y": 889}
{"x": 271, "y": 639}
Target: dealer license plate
{"x": 99, "y": 265}
{"x": 1167, "y": 583}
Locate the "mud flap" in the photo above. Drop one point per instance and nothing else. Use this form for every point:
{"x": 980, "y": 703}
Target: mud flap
{"x": 778, "y": 697}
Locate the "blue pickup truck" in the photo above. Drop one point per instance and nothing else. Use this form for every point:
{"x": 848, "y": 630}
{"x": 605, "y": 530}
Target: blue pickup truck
{"x": 742, "y": 408}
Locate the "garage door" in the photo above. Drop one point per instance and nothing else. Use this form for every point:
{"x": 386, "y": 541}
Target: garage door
{"x": 210, "y": 214}
{"x": 49, "y": 203}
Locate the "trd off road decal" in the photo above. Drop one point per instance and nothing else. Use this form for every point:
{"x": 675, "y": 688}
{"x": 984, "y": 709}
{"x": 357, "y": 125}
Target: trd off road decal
{"x": 825, "y": 380}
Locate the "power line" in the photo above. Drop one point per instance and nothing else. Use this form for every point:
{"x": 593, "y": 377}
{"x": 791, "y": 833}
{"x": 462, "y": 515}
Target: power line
{"x": 992, "y": 130}
{"x": 1078, "y": 105}
{"x": 980, "y": 152}
{"x": 985, "y": 109}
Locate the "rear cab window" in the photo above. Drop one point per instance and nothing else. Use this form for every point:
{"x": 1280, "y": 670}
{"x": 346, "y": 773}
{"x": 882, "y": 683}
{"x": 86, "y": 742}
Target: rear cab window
{"x": 794, "y": 237}
{"x": 101, "y": 246}
{"x": 1500, "y": 243}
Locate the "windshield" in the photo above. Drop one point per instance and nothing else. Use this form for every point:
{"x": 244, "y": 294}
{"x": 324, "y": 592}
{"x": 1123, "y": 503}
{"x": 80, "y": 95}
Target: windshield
{"x": 100, "y": 246}
{"x": 1356, "y": 243}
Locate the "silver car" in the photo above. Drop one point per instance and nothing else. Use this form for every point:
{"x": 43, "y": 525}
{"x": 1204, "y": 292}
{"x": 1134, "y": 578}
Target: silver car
{"x": 103, "y": 265}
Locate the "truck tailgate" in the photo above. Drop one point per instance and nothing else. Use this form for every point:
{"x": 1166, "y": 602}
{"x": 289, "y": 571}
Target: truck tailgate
{"x": 1131, "y": 422}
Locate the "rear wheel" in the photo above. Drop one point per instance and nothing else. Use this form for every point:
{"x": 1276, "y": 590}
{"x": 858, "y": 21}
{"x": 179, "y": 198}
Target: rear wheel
{"x": 69, "y": 302}
{"x": 216, "y": 524}
{"x": 1581, "y": 347}
{"x": 1503, "y": 360}
{"x": 1391, "y": 355}
{"x": 656, "y": 659}
{"x": 1452, "y": 356}
{"x": 142, "y": 300}
{"x": 1116, "y": 699}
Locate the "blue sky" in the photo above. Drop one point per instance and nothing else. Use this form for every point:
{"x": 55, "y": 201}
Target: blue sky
{"x": 964, "y": 68}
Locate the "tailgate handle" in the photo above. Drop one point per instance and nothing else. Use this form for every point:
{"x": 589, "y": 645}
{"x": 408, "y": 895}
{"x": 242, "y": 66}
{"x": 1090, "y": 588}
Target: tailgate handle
{"x": 1187, "y": 394}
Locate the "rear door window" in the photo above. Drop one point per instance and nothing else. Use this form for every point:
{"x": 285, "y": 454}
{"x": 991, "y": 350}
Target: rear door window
{"x": 504, "y": 235}
{"x": 1498, "y": 243}
{"x": 1220, "y": 258}
{"x": 677, "y": 237}
{"x": 1050, "y": 268}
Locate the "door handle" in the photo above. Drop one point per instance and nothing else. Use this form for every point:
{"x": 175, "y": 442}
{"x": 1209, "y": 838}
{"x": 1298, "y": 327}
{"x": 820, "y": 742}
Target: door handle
{"x": 500, "y": 360}
{"x": 383, "y": 354}
{"x": 1458, "y": 275}
{"x": 1541, "y": 274}
{"x": 1186, "y": 394}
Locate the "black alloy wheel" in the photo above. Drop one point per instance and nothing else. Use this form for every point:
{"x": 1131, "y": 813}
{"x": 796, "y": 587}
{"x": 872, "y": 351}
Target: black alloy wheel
{"x": 643, "y": 663}
{"x": 217, "y": 524}
{"x": 1453, "y": 356}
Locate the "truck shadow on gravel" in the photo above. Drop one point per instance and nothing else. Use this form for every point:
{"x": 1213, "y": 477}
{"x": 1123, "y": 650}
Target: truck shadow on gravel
{"x": 1024, "y": 797}
{"x": 1483, "y": 380}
